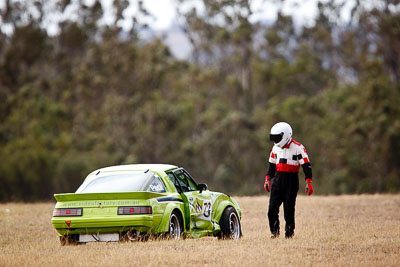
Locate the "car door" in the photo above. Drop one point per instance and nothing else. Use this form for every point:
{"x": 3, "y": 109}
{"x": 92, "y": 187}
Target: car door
{"x": 198, "y": 206}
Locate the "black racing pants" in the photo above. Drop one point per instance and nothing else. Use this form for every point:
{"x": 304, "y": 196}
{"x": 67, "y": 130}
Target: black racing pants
{"x": 285, "y": 186}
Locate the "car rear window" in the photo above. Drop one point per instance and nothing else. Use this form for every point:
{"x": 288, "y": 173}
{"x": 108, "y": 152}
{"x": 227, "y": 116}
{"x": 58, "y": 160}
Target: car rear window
{"x": 156, "y": 185}
{"x": 127, "y": 182}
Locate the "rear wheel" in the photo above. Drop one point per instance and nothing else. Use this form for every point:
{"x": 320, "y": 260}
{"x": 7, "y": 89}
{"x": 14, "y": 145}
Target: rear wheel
{"x": 230, "y": 224}
{"x": 134, "y": 236}
{"x": 175, "y": 227}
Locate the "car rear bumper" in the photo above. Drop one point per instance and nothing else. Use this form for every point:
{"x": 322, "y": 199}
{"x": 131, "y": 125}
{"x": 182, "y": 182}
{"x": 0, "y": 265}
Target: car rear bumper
{"x": 123, "y": 223}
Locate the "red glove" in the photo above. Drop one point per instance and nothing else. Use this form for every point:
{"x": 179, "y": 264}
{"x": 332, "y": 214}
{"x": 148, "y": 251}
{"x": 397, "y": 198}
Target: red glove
{"x": 309, "y": 189}
{"x": 267, "y": 184}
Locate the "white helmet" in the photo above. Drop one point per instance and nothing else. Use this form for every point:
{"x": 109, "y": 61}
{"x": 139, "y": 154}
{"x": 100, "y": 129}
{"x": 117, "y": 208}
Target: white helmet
{"x": 281, "y": 134}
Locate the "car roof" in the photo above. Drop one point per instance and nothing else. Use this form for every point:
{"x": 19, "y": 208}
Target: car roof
{"x": 126, "y": 169}
{"x": 140, "y": 167}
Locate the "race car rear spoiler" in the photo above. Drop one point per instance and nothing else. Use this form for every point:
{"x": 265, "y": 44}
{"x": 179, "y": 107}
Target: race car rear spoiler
{"x": 106, "y": 196}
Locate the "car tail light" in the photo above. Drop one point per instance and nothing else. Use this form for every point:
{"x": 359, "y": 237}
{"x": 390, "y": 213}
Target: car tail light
{"x": 134, "y": 210}
{"x": 67, "y": 212}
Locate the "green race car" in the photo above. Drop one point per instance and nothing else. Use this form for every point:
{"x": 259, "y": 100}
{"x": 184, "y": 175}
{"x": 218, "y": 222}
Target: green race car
{"x": 133, "y": 202}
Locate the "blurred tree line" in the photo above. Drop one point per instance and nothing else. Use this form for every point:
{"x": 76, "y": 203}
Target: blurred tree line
{"x": 93, "y": 94}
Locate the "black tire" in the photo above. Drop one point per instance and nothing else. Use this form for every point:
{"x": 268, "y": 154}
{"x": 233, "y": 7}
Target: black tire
{"x": 230, "y": 224}
{"x": 175, "y": 226}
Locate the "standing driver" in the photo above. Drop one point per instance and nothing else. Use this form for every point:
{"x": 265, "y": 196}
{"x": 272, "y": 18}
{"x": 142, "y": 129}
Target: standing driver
{"x": 284, "y": 163}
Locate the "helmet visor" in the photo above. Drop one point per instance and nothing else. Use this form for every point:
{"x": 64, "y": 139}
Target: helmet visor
{"x": 276, "y": 138}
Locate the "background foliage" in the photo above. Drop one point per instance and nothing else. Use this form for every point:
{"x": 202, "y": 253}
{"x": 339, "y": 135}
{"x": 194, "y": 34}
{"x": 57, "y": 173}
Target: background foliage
{"x": 94, "y": 95}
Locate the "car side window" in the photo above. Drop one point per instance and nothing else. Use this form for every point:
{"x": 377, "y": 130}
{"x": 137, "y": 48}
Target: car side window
{"x": 174, "y": 181}
{"x": 156, "y": 185}
{"x": 185, "y": 181}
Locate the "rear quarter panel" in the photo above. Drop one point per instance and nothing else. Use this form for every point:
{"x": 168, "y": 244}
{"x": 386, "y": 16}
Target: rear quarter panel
{"x": 169, "y": 207}
{"x": 222, "y": 201}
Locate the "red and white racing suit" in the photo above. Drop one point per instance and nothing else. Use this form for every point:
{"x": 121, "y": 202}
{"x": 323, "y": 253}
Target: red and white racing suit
{"x": 284, "y": 168}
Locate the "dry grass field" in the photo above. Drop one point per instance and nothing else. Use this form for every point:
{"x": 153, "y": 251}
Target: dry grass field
{"x": 330, "y": 231}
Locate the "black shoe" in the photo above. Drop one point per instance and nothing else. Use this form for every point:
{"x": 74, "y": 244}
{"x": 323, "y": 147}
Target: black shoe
{"x": 289, "y": 235}
{"x": 289, "y": 231}
{"x": 274, "y": 235}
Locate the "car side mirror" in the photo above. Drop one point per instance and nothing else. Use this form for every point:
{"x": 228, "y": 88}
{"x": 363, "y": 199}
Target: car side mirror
{"x": 202, "y": 187}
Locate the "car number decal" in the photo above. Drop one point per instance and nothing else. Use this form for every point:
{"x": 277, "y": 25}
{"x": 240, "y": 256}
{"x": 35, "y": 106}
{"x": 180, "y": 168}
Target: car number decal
{"x": 206, "y": 210}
